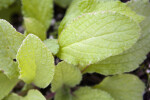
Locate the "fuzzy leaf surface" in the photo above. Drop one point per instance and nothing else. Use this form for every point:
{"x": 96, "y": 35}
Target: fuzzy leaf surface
{"x": 52, "y": 45}
{"x": 6, "y": 85}
{"x": 87, "y": 93}
{"x": 10, "y": 41}
{"x": 123, "y": 87}
{"x": 13, "y": 96}
{"x": 66, "y": 75}
{"x": 102, "y": 35}
{"x": 63, "y": 94}
{"x": 36, "y": 62}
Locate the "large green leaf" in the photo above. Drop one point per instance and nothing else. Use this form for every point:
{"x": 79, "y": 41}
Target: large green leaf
{"x": 65, "y": 75}
{"x": 13, "y": 96}
{"x": 38, "y": 15}
{"x": 52, "y": 45}
{"x": 36, "y": 63}
{"x": 10, "y": 41}
{"x": 87, "y": 93}
{"x": 6, "y": 85}
{"x": 95, "y": 36}
{"x": 79, "y": 7}
{"x": 130, "y": 59}
{"x": 123, "y": 87}
{"x": 5, "y": 3}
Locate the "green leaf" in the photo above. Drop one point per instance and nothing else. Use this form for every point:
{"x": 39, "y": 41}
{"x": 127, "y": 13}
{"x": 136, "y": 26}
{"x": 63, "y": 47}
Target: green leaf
{"x": 41, "y": 11}
{"x": 35, "y": 27}
{"x": 36, "y": 63}
{"x": 140, "y": 6}
{"x": 63, "y": 94}
{"x": 13, "y": 96}
{"x": 10, "y": 41}
{"x": 5, "y": 3}
{"x": 87, "y": 93}
{"x": 123, "y": 87}
{"x": 34, "y": 95}
{"x": 79, "y": 7}
{"x": 63, "y": 3}
{"x": 130, "y": 59}
{"x": 66, "y": 75}
{"x": 6, "y": 85}
{"x": 52, "y": 45}
{"x": 102, "y": 35}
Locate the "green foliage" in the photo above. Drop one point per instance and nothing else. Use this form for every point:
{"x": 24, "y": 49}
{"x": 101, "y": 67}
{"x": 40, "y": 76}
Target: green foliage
{"x": 6, "y": 85}
{"x": 63, "y": 3}
{"x": 52, "y": 45}
{"x": 65, "y": 75}
{"x": 13, "y": 96}
{"x": 36, "y": 63}
{"x": 10, "y": 41}
{"x": 38, "y": 15}
{"x": 5, "y": 3}
{"x": 123, "y": 87}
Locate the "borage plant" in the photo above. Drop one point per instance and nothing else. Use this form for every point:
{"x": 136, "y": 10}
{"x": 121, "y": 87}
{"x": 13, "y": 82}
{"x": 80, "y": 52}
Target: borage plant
{"x": 107, "y": 37}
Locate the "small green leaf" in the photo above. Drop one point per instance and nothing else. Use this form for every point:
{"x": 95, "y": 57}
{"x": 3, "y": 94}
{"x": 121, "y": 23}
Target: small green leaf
{"x": 66, "y": 75}
{"x": 63, "y": 3}
{"x": 10, "y": 41}
{"x": 34, "y": 95}
{"x": 87, "y": 93}
{"x": 5, "y": 3}
{"x": 63, "y": 94}
{"x": 40, "y": 10}
{"x": 35, "y": 27}
{"x": 36, "y": 63}
{"x": 52, "y": 45}
{"x": 123, "y": 87}
{"x": 6, "y": 85}
{"x": 13, "y": 96}
{"x": 102, "y": 35}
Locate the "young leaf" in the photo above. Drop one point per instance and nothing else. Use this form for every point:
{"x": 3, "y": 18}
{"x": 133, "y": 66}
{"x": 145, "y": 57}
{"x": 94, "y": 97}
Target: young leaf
{"x": 130, "y": 59}
{"x": 40, "y": 10}
{"x": 52, "y": 45}
{"x": 35, "y": 27}
{"x": 13, "y": 96}
{"x": 5, "y": 3}
{"x": 36, "y": 63}
{"x": 63, "y": 3}
{"x": 94, "y": 37}
{"x": 34, "y": 95}
{"x": 66, "y": 75}
{"x": 80, "y": 7}
{"x": 63, "y": 94}
{"x": 6, "y": 85}
{"x": 123, "y": 87}
{"x": 10, "y": 41}
{"x": 87, "y": 93}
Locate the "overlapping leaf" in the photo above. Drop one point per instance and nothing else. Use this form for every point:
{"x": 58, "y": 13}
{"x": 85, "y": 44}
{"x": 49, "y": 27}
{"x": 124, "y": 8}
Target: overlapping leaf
{"x": 5, "y": 3}
{"x": 6, "y": 85}
{"x": 52, "y": 45}
{"x": 87, "y": 93}
{"x": 10, "y": 41}
{"x": 13, "y": 96}
{"x": 63, "y": 3}
{"x": 123, "y": 87}
{"x": 36, "y": 63}
{"x": 65, "y": 75}
{"x": 93, "y": 37}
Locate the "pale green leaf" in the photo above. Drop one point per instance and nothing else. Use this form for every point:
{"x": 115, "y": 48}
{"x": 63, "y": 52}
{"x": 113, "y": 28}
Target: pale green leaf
{"x": 63, "y": 94}
{"x": 5, "y": 3}
{"x": 6, "y": 85}
{"x": 40, "y": 10}
{"x": 10, "y": 41}
{"x": 34, "y": 95}
{"x": 13, "y": 96}
{"x": 63, "y": 3}
{"x": 66, "y": 75}
{"x": 79, "y": 7}
{"x": 123, "y": 87}
{"x": 94, "y": 37}
{"x": 87, "y": 93}
{"x": 36, "y": 63}
{"x": 35, "y": 27}
{"x": 52, "y": 45}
